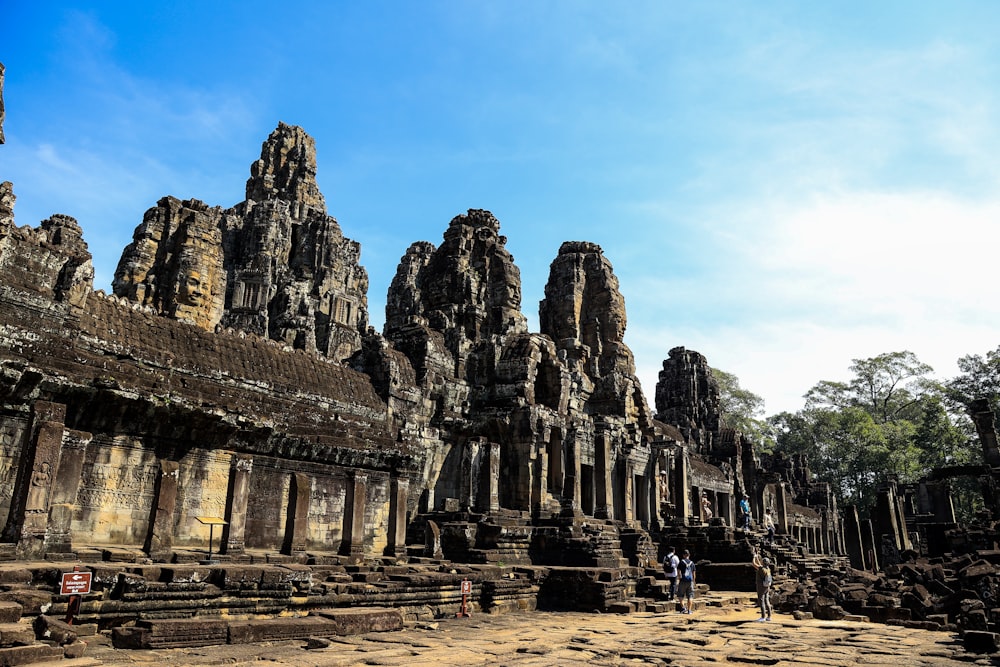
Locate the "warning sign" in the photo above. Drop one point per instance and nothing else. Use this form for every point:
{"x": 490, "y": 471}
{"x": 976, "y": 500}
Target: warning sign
{"x": 76, "y": 583}
{"x": 466, "y": 587}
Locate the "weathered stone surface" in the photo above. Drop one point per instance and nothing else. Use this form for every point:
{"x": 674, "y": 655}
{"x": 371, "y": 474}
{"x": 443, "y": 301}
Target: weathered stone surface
{"x": 275, "y": 265}
{"x": 174, "y": 263}
{"x": 709, "y": 636}
{"x": 48, "y": 628}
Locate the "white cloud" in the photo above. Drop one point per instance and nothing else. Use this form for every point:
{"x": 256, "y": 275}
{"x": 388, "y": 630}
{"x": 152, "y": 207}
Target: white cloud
{"x": 803, "y": 289}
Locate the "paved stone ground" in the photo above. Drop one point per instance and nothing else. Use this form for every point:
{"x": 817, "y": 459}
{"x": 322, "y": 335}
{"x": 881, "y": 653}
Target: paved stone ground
{"x": 709, "y": 636}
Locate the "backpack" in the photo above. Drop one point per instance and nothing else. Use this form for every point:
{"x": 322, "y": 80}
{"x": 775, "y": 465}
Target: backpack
{"x": 684, "y": 571}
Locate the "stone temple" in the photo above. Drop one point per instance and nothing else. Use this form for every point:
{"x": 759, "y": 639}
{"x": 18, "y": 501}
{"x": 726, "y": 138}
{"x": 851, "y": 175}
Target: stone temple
{"x": 225, "y": 434}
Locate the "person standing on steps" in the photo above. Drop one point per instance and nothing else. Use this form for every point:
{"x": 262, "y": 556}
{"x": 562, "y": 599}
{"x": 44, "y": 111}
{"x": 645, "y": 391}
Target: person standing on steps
{"x": 745, "y": 509}
{"x": 687, "y": 576}
{"x": 670, "y": 562}
{"x": 769, "y": 526}
{"x": 764, "y": 580}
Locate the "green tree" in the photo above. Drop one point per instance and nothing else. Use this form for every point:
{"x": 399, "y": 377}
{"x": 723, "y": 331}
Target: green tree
{"x": 980, "y": 378}
{"x": 743, "y": 410}
{"x": 857, "y": 432}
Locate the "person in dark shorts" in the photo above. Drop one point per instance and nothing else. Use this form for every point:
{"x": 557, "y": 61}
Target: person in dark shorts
{"x": 686, "y": 579}
{"x": 670, "y": 562}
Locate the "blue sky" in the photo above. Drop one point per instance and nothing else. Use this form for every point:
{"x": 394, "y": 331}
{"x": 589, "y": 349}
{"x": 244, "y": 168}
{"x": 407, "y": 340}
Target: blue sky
{"x": 782, "y": 186}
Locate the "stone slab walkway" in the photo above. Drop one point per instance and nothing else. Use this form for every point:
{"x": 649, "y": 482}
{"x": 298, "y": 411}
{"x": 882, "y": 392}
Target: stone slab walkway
{"x": 710, "y": 636}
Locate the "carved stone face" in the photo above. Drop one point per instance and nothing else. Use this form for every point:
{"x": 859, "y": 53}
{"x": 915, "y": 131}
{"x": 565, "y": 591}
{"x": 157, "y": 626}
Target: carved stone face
{"x": 191, "y": 289}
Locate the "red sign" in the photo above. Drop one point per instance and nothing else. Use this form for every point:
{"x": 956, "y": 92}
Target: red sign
{"x": 76, "y": 583}
{"x": 466, "y": 587}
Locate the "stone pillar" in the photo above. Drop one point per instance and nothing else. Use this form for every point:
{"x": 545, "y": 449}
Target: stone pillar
{"x": 354, "y": 518}
{"x": 489, "y": 478}
{"x": 39, "y": 467}
{"x": 233, "y": 534}
{"x": 939, "y": 501}
{"x": 781, "y": 508}
{"x": 604, "y": 502}
{"x": 297, "y": 518}
{"x": 904, "y": 535}
{"x": 869, "y": 545}
{"x": 681, "y": 492}
{"x": 982, "y": 417}
{"x": 399, "y": 488}
{"x": 571, "y": 490}
{"x": 629, "y": 494}
{"x": 826, "y": 534}
{"x": 470, "y": 473}
{"x": 160, "y": 538}
{"x": 885, "y": 518}
{"x": 539, "y": 481}
{"x": 58, "y": 537}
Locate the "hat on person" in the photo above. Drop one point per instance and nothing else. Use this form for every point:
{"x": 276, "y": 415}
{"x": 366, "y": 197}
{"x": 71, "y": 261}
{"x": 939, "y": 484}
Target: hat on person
{"x": 767, "y": 561}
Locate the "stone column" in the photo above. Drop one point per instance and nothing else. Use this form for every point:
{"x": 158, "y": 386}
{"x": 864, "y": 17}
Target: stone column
{"x": 939, "y": 501}
{"x": 982, "y": 417}
{"x": 629, "y": 494}
{"x": 58, "y": 537}
{"x": 489, "y": 478}
{"x": 781, "y": 507}
{"x": 885, "y": 518}
{"x": 399, "y": 488}
{"x": 160, "y": 538}
{"x": 604, "y": 501}
{"x": 539, "y": 481}
{"x": 297, "y": 520}
{"x": 37, "y": 472}
{"x": 571, "y": 490}
{"x": 354, "y": 518}
{"x": 682, "y": 486}
{"x": 869, "y": 545}
{"x": 825, "y": 545}
{"x": 233, "y": 534}
{"x": 470, "y": 473}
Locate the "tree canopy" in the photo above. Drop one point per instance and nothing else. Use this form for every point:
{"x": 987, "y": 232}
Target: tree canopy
{"x": 887, "y": 419}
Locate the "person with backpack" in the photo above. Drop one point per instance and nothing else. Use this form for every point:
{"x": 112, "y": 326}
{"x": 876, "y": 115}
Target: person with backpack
{"x": 687, "y": 577}
{"x": 670, "y": 562}
{"x": 765, "y": 578}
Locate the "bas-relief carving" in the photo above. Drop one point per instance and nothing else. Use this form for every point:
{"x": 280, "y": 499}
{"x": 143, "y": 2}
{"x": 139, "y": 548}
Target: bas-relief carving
{"x": 327, "y": 503}
{"x": 267, "y": 506}
{"x": 116, "y": 493}
{"x": 201, "y": 491}
{"x": 11, "y": 435}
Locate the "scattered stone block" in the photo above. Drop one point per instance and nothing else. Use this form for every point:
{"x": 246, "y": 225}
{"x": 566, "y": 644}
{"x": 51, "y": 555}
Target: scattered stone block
{"x": 22, "y": 655}
{"x": 52, "y": 629}
{"x": 977, "y": 641}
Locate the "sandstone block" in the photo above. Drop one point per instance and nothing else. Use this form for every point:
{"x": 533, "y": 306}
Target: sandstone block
{"x": 977, "y": 641}
{"x": 10, "y": 612}
{"x": 52, "y": 629}
{"x": 23, "y": 655}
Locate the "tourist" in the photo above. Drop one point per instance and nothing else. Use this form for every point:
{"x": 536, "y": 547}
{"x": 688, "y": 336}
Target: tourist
{"x": 764, "y": 580}
{"x": 687, "y": 577}
{"x": 745, "y": 508}
{"x": 670, "y": 562}
{"x": 706, "y": 508}
{"x": 769, "y": 526}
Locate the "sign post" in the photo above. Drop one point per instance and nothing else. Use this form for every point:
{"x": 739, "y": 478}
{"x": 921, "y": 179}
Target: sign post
{"x": 466, "y": 591}
{"x": 75, "y": 584}
{"x": 211, "y": 522}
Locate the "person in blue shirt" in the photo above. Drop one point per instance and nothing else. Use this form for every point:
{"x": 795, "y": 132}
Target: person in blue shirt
{"x": 745, "y": 509}
{"x": 687, "y": 578}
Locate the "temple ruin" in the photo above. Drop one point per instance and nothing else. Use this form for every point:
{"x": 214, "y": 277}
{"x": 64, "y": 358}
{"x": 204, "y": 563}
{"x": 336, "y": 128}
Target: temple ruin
{"x": 232, "y": 379}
